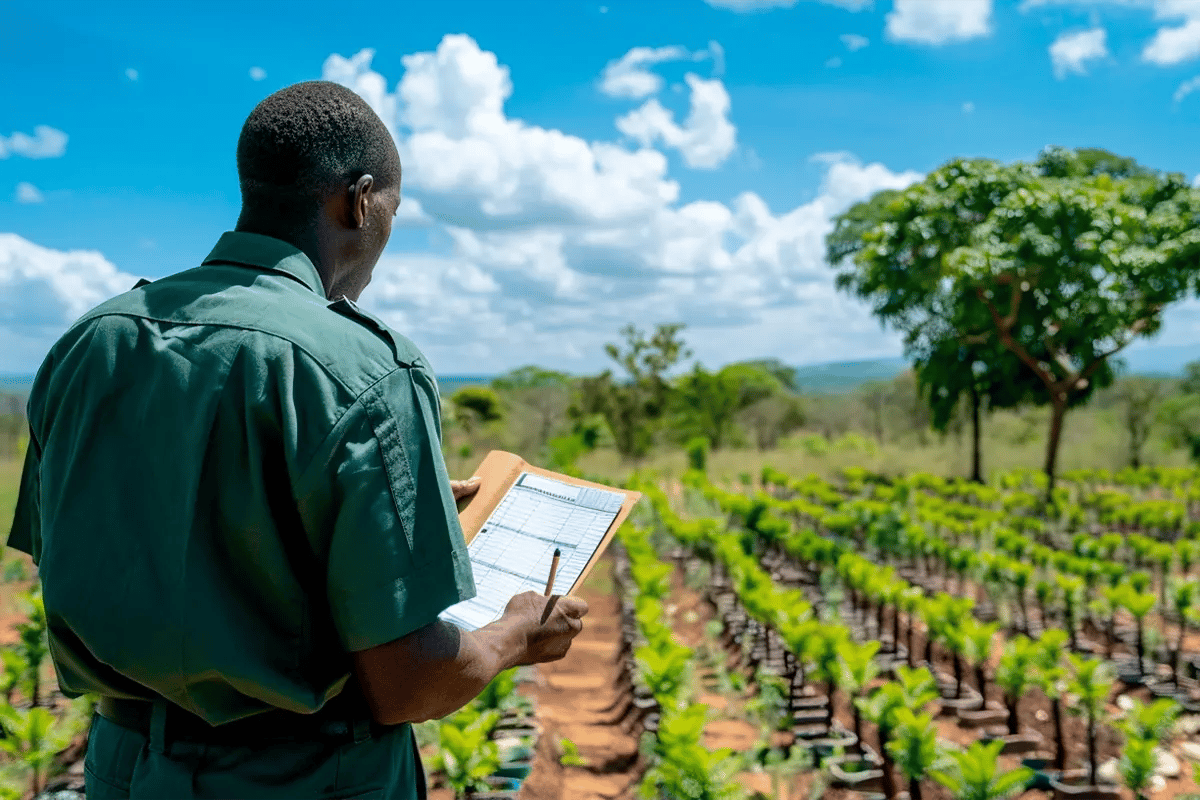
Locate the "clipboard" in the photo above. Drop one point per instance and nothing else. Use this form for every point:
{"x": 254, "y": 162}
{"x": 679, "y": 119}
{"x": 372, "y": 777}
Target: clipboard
{"x": 499, "y": 471}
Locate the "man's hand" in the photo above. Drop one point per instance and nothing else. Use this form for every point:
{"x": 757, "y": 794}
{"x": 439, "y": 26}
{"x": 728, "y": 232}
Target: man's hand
{"x": 464, "y": 489}
{"x": 547, "y": 625}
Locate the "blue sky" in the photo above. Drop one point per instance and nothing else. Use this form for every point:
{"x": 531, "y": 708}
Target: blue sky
{"x": 563, "y": 173}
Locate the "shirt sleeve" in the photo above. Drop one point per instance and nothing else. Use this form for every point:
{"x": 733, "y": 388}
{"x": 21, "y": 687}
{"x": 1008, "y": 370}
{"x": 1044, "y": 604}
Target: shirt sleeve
{"x": 396, "y": 553}
{"x": 25, "y": 534}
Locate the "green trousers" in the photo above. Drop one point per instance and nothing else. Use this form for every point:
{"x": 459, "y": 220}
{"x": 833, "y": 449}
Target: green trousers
{"x": 123, "y": 763}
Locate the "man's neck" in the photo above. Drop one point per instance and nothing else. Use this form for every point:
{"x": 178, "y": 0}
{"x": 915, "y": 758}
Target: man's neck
{"x": 306, "y": 242}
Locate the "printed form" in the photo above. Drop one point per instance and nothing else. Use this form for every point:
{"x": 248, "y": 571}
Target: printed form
{"x": 513, "y": 550}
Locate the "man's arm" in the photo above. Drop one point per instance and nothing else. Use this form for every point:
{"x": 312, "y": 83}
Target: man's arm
{"x": 439, "y": 668}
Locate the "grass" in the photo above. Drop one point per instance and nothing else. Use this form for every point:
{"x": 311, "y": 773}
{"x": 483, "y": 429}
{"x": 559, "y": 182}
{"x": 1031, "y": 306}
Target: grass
{"x": 10, "y": 478}
{"x": 1092, "y": 439}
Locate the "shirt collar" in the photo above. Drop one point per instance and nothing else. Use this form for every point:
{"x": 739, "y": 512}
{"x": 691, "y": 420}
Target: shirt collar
{"x": 266, "y": 252}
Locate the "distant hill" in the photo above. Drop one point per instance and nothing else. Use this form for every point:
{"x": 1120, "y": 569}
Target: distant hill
{"x": 831, "y": 377}
{"x": 841, "y": 376}
{"x": 15, "y": 384}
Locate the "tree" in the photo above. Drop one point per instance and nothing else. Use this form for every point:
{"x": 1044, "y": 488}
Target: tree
{"x": 948, "y": 370}
{"x": 539, "y": 395}
{"x": 1139, "y": 399}
{"x": 634, "y": 406}
{"x": 1062, "y": 262}
{"x": 707, "y": 403}
{"x": 473, "y": 404}
{"x": 771, "y": 418}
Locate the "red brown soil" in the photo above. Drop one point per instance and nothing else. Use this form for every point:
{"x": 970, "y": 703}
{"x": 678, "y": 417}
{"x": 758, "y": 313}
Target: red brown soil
{"x": 571, "y": 697}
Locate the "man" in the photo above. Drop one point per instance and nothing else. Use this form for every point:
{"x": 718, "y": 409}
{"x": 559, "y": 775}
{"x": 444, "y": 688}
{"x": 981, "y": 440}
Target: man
{"x": 235, "y": 494}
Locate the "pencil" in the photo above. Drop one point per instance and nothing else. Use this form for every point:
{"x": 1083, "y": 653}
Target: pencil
{"x": 553, "y": 569}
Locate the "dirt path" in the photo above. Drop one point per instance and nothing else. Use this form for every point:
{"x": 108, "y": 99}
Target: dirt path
{"x": 574, "y": 697}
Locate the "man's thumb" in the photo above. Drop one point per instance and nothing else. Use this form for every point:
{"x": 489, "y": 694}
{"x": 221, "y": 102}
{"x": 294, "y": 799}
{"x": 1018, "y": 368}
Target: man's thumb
{"x": 574, "y": 607}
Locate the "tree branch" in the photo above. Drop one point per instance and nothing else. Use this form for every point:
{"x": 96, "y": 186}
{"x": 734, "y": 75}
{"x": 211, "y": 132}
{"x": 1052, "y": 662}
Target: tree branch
{"x": 1006, "y": 338}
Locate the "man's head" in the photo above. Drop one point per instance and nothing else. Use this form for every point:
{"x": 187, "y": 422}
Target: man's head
{"x": 318, "y": 168}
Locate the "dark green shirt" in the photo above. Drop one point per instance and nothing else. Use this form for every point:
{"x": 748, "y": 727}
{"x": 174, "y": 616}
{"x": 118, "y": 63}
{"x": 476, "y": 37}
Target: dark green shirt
{"x": 231, "y": 484}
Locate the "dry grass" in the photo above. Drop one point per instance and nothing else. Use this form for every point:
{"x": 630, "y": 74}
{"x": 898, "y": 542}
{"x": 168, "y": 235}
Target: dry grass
{"x": 10, "y": 477}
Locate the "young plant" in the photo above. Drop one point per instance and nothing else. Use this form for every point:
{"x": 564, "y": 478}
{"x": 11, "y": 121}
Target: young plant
{"x": 914, "y": 748}
{"x": 977, "y": 641}
{"x": 570, "y": 756}
{"x": 1091, "y": 684}
{"x": 881, "y": 708}
{"x": 33, "y": 738}
{"x": 684, "y": 769}
{"x": 1137, "y": 765}
{"x": 857, "y": 668}
{"x": 828, "y": 668}
{"x": 974, "y": 774}
{"x": 1049, "y": 656}
{"x": 1016, "y": 673}
{"x": 33, "y": 644}
{"x": 1139, "y": 604}
{"x": 1183, "y": 598}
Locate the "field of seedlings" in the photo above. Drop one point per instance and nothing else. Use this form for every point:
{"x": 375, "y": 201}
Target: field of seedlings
{"x": 870, "y": 637}
{"x": 801, "y": 637}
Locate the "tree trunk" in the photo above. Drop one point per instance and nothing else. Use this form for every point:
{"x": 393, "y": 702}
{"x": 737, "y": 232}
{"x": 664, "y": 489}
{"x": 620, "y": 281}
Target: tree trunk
{"x": 1013, "y": 723}
{"x": 976, "y": 438}
{"x": 1060, "y": 749}
{"x": 1091, "y": 743}
{"x": 889, "y": 777}
{"x": 914, "y": 789}
{"x": 981, "y": 679}
{"x": 895, "y": 628}
{"x": 957, "y": 676}
{"x": 912, "y": 657}
{"x": 1057, "y": 413}
{"x": 1141, "y": 644}
{"x": 857, "y": 723}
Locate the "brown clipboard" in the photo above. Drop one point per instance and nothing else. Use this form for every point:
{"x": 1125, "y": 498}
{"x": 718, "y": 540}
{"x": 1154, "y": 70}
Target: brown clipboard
{"x": 498, "y": 472}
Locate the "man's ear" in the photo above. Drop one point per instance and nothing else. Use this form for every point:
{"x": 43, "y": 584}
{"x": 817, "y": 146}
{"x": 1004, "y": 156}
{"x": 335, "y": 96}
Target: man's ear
{"x": 360, "y": 193}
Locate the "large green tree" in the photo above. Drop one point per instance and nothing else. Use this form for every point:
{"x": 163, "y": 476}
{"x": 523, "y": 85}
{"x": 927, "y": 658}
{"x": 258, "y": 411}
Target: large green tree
{"x": 1061, "y": 262}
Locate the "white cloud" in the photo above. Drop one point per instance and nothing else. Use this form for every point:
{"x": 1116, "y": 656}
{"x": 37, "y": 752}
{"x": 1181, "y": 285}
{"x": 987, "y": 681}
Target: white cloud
{"x": 1070, "y": 52}
{"x": 556, "y": 242}
{"x": 1171, "y": 44}
{"x": 717, "y": 54}
{"x": 1175, "y": 45}
{"x": 42, "y": 291}
{"x": 46, "y": 142}
{"x": 131, "y": 73}
{"x": 834, "y": 62}
{"x": 541, "y": 238}
{"x": 937, "y": 22}
{"x": 705, "y": 139}
{"x": 257, "y": 73}
{"x": 628, "y": 76}
{"x": 968, "y": 107}
{"x": 411, "y": 215}
{"x": 1186, "y": 88}
{"x": 28, "y": 193}
{"x": 854, "y": 42}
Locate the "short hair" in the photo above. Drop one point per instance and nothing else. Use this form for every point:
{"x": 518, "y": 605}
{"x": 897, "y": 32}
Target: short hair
{"x": 301, "y": 142}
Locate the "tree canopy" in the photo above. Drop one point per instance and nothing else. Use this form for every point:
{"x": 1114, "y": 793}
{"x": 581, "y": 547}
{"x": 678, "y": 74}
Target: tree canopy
{"x": 1042, "y": 271}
